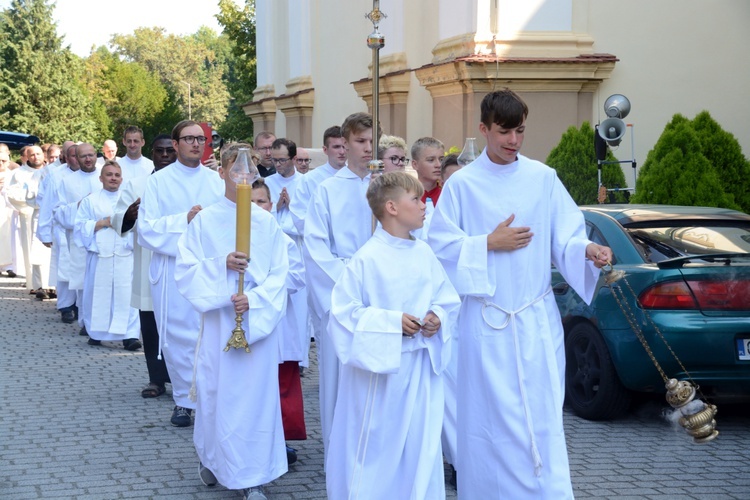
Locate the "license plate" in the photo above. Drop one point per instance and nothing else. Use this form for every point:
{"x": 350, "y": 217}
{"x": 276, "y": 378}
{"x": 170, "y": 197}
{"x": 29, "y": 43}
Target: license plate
{"x": 743, "y": 349}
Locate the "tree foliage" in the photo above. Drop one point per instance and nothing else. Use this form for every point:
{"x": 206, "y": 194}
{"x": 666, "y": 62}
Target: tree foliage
{"x": 574, "y": 159}
{"x": 182, "y": 64}
{"x": 239, "y": 28}
{"x": 677, "y": 172}
{"x": 40, "y": 88}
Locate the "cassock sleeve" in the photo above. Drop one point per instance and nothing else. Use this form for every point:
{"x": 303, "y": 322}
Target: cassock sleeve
{"x": 127, "y": 197}
{"x": 464, "y": 257}
{"x": 445, "y": 303}
{"x": 322, "y": 266}
{"x": 47, "y": 203}
{"x": 368, "y": 338}
{"x": 207, "y": 284}
{"x": 156, "y": 231}
{"x": 569, "y": 243}
{"x": 298, "y": 205}
{"x": 85, "y": 222}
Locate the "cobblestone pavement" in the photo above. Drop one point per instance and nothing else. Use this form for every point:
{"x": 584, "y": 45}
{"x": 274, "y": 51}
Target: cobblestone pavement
{"x": 74, "y": 425}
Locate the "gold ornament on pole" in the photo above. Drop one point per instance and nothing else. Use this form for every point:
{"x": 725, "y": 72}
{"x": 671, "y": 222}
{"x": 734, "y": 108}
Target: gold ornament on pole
{"x": 375, "y": 41}
{"x": 243, "y": 173}
{"x": 697, "y": 417}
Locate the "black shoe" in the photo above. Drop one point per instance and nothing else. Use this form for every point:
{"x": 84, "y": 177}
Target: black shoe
{"x": 132, "y": 344}
{"x": 207, "y": 477}
{"x": 301, "y": 371}
{"x": 52, "y": 293}
{"x": 10, "y": 273}
{"x": 41, "y": 294}
{"x": 67, "y": 316}
{"x": 82, "y": 332}
{"x": 291, "y": 455}
{"x": 75, "y": 310}
{"x": 181, "y": 417}
{"x": 94, "y": 342}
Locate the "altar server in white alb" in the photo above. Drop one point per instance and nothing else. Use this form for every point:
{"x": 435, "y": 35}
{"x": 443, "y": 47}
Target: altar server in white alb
{"x": 337, "y": 224}
{"x": 392, "y": 311}
{"x": 108, "y": 315}
{"x": 501, "y": 223}
{"x": 173, "y": 196}
{"x": 238, "y": 435}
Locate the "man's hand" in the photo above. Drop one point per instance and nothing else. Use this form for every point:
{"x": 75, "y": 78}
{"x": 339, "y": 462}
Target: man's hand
{"x": 509, "y": 238}
{"x": 102, "y": 223}
{"x": 410, "y": 325}
{"x": 283, "y": 199}
{"x": 131, "y": 214}
{"x": 237, "y": 261}
{"x": 211, "y": 163}
{"x": 431, "y": 324}
{"x": 193, "y": 212}
{"x": 241, "y": 304}
{"x": 598, "y": 254}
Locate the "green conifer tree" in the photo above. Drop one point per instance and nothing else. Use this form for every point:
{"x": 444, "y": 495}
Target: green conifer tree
{"x": 574, "y": 159}
{"x": 676, "y": 172}
{"x": 40, "y": 88}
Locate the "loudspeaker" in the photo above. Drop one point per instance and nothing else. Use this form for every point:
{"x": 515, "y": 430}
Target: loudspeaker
{"x": 612, "y": 130}
{"x": 617, "y": 106}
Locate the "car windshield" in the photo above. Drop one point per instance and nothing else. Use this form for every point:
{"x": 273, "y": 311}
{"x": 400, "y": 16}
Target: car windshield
{"x": 661, "y": 243}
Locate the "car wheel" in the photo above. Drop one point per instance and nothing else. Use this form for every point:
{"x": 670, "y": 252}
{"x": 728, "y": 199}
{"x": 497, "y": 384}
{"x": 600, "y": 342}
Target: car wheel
{"x": 592, "y": 389}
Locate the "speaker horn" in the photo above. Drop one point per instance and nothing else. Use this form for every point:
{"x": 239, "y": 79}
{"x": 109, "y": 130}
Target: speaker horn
{"x": 617, "y": 106}
{"x": 612, "y": 130}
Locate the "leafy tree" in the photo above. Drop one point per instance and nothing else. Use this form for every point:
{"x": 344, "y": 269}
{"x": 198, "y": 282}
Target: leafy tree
{"x": 574, "y": 159}
{"x": 725, "y": 155}
{"x": 177, "y": 62}
{"x": 676, "y": 172}
{"x": 239, "y": 28}
{"x": 40, "y": 88}
{"x": 127, "y": 91}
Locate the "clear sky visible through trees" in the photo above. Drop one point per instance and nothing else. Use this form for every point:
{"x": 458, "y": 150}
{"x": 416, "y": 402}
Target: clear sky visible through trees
{"x": 142, "y": 78}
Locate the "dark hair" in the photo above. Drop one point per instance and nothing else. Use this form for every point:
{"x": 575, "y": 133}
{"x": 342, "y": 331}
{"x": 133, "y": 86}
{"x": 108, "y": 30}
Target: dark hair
{"x": 159, "y": 138}
{"x": 331, "y": 133}
{"x": 290, "y": 146}
{"x": 504, "y": 108}
{"x": 448, "y": 161}
{"x": 261, "y": 184}
{"x": 177, "y": 130}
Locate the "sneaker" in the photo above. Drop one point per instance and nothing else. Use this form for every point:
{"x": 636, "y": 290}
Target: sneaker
{"x": 94, "y": 342}
{"x": 181, "y": 416}
{"x": 254, "y": 493}
{"x": 207, "y": 477}
{"x": 131, "y": 344}
{"x": 68, "y": 316}
{"x": 291, "y": 455}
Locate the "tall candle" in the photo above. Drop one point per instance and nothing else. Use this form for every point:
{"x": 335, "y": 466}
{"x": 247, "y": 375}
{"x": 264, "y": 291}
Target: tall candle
{"x": 244, "y": 204}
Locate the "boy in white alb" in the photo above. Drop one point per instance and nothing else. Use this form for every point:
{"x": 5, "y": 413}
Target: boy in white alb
{"x": 392, "y": 310}
{"x": 238, "y": 435}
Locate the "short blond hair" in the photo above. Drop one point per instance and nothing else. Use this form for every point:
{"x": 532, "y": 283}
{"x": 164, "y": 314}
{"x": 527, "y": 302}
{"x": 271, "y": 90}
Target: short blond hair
{"x": 390, "y": 141}
{"x": 387, "y": 187}
{"x": 230, "y": 152}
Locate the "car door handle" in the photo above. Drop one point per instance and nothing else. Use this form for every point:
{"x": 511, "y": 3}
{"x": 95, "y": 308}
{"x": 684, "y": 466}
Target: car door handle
{"x": 560, "y": 288}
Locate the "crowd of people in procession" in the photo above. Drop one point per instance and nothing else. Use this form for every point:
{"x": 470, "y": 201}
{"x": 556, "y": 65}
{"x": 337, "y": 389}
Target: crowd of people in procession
{"x": 428, "y": 299}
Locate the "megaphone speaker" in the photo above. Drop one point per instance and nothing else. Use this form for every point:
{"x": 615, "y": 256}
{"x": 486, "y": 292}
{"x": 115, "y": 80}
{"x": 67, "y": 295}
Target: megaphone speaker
{"x": 612, "y": 130}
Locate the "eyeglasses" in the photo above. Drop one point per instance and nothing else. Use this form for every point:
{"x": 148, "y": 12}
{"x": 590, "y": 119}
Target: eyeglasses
{"x": 280, "y": 161}
{"x": 305, "y": 161}
{"x": 398, "y": 159}
{"x": 189, "y": 139}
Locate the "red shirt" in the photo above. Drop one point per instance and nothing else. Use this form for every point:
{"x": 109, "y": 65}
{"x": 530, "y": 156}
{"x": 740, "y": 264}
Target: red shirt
{"x": 433, "y": 194}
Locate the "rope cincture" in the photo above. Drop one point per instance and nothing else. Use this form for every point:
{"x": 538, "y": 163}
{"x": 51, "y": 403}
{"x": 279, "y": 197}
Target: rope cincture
{"x": 511, "y": 320}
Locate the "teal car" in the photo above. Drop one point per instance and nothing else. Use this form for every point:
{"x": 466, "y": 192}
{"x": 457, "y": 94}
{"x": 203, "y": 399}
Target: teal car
{"x": 687, "y": 289}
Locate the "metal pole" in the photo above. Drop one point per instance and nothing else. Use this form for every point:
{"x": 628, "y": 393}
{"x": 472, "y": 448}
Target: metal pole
{"x": 375, "y": 41}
